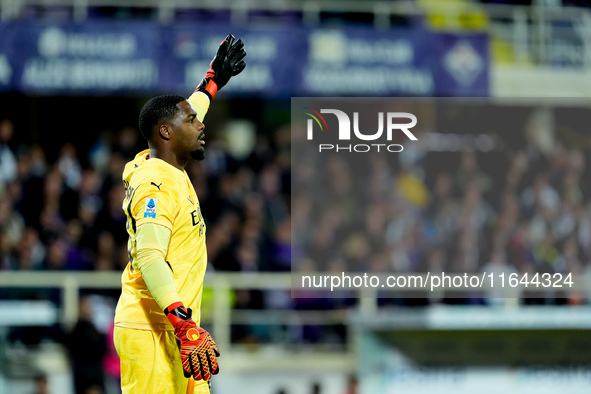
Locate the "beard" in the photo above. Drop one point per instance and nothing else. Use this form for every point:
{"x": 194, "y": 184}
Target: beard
{"x": 198, "y": 154}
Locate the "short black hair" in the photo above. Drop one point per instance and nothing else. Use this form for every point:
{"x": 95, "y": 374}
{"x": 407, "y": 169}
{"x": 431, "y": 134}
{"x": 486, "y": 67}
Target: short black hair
{"x": 159, "y": 108}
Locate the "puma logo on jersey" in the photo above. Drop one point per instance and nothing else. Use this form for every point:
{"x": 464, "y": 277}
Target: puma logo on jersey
{"x": 158, "y": 186}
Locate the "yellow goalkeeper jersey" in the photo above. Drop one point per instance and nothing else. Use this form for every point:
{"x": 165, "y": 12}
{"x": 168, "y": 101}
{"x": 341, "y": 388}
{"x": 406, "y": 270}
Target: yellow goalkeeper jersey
{"x": 157, "y": 192}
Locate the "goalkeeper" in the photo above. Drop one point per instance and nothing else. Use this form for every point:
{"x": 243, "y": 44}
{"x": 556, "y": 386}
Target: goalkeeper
{"x": 157, "y": 333}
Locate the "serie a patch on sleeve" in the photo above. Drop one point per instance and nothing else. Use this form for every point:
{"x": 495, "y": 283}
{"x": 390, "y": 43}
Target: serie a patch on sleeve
{"x": 151, "y": 206}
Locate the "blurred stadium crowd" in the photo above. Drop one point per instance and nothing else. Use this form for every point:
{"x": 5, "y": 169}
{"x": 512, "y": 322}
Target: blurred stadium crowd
{"x": 67, "y": 215}
{"x": 521, "y": 207}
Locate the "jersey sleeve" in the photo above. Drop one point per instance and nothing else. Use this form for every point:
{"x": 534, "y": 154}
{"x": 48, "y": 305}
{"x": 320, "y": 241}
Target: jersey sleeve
{"x": 200, "y": 102}
{"x": 155, "y": 201}
{"x": 152, "y": 247}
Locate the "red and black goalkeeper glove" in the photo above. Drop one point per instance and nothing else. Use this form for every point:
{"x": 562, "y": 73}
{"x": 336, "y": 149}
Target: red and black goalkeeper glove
{"x": 225, "y": 64}
{"x": 199, "y": 351}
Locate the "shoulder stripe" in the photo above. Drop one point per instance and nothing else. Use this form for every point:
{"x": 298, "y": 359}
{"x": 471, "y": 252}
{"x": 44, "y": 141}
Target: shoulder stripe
{"x": 130, "y": 214}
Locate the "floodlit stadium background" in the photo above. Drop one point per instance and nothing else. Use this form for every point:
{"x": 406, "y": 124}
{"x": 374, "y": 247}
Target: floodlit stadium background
{"x": 65, "y": 136}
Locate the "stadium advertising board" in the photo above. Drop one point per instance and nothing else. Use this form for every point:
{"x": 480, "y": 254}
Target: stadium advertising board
{"x": 100, "y": 57}
{"x": 71, "y": 58}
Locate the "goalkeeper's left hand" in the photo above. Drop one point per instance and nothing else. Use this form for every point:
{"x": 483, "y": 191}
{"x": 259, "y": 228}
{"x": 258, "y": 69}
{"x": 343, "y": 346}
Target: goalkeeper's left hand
{"x": 227, "y": 62}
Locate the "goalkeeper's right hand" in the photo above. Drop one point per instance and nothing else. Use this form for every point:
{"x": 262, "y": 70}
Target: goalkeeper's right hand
{"x": 199, "y": 351}
{"x": 226, "y": 63}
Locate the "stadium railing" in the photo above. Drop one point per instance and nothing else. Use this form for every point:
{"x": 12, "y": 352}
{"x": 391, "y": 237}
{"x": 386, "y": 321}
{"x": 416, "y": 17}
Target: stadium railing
{"x": 221, "y": 315}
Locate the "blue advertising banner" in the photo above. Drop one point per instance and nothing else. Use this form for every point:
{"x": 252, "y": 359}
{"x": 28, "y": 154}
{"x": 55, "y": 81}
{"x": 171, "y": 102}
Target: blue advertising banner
{"x": 89, "y": 58}
{"x": 364, "y": 61}
{"x": 101, "y": 57}
{"x": 6, "y": 63}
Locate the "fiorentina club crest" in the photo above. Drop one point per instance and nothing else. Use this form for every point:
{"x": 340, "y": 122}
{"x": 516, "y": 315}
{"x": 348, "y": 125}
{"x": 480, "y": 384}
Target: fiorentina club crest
{"x": 463, "y": 62}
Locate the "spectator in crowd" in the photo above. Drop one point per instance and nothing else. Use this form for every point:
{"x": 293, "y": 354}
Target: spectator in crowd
{"x": 8, "y": 163}
{"x": 87, "y": 347}
{"x": 41, "y": 384}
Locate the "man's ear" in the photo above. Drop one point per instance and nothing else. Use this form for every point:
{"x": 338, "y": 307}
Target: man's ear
{"x": 164, "y": 132}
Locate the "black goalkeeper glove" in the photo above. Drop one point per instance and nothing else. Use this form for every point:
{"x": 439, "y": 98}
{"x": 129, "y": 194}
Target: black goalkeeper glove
{"x": 226, "y": 63}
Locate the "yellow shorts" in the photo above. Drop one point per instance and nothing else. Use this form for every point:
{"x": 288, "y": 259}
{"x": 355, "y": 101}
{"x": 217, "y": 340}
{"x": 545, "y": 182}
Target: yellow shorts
{"x": 151, "y": 364}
